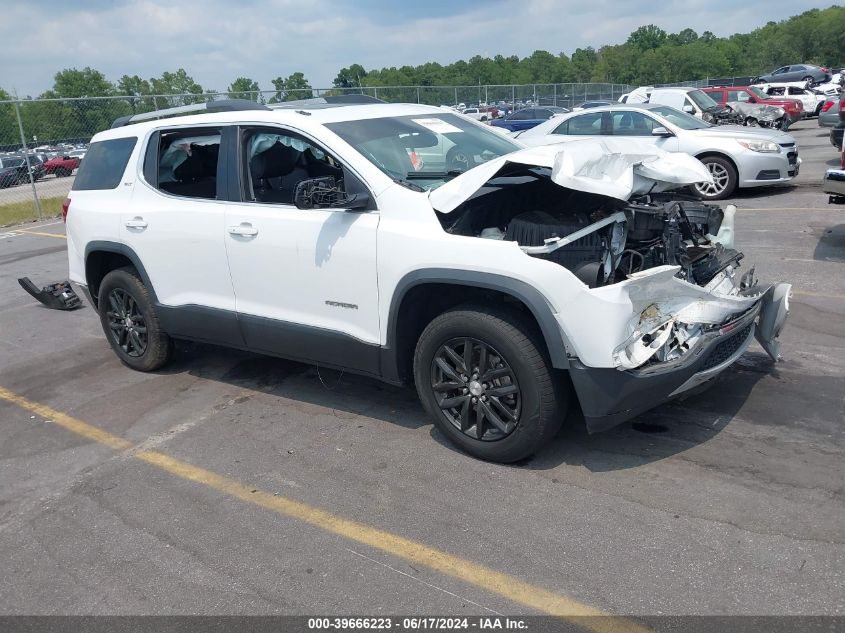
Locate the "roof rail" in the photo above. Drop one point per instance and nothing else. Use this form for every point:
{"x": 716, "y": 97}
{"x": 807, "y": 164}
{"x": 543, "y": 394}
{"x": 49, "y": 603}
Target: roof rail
{"x": 336, "y": 100}
{"x": 224, "y": 105}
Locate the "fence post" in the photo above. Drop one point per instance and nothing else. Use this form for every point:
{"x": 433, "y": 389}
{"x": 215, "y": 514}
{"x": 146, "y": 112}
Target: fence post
{"x": 28, "y": 164}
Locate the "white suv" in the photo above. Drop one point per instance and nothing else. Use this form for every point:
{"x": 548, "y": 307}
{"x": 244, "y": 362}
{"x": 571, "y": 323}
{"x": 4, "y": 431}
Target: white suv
{"x": 411, "y": 244}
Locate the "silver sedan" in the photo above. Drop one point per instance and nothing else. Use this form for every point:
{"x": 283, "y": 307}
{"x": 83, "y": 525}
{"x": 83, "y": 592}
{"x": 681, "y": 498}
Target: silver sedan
{"x": 736, "y": 156}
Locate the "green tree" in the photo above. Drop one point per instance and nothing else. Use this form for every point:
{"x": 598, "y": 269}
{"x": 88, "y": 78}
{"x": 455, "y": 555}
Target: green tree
{"x": 291, "y": 88}
{"x": 9, "y": 134}
{"x": 74, "y": 83}
{"x": 244, "y": 88}
{"x": 181, "y": 86}
{"x": 351, "y": 77}
{"x": 138, "y": 93}
{"x": 647, "y": 37}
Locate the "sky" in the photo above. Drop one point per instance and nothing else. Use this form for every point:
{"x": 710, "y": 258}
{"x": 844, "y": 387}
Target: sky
{"x": 219, "y": 40}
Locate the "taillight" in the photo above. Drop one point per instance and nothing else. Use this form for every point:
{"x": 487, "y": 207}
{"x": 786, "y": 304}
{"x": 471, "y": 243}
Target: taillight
{"x": 827, "y": 106}
{"x": 65, "y": 209}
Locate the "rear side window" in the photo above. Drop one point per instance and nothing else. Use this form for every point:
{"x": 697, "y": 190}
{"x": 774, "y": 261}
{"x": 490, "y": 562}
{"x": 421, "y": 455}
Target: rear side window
{"x": 104, "y": 164}
{"x": 586, "y": 124}
{"x": 185, "y": 162}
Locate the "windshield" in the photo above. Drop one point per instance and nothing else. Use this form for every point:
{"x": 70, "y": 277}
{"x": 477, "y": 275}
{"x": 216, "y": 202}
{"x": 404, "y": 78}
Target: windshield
{"x": 758, "y": 93}
{"x": 702, "y": 100}
{"x": 12, "y": 162}
{"x": 681, "y": 119}
{"x": 423, "y": 149}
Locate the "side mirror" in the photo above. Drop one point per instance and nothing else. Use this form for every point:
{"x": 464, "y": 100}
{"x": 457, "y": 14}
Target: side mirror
{"x": 689, "y": 109}
{"x": 661, "y": 131}
{"x": 752, "y": 100}
{"x": 325, "y": 193}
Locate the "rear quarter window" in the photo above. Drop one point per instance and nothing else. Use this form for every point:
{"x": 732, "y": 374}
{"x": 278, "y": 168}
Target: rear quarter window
{"x": 104, "y": 164}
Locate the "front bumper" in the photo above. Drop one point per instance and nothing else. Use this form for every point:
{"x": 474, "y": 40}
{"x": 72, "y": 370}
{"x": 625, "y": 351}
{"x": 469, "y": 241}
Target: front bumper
{"x": 609, "y": 396}
{"x": 758, "y": 169}
{"x": 834, "y": 184}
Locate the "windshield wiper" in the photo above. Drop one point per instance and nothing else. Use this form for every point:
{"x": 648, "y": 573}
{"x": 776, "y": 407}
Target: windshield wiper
{"x": 407, "y": 185}
{"x": 432, "y": 175}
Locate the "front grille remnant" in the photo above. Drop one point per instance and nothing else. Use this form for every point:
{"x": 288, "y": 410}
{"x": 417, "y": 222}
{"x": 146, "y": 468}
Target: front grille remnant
{"x": 727, "y": 348}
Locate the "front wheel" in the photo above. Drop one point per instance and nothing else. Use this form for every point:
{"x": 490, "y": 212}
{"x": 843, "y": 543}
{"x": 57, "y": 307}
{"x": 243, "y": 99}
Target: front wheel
{"x": 130, "y": 322}
{"x": 724, "y": 179}
{"x": 483, "y": 377}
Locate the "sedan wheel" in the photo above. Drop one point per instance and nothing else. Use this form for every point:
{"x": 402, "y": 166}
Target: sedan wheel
{"x": 724, "y": 179}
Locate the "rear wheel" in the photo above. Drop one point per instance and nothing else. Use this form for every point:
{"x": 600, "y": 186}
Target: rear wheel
{"x": 724, "y": 179}
{"x": 482, "y": 375}
{"x": 130, "y": 323}
{"x": 63, "y": 172}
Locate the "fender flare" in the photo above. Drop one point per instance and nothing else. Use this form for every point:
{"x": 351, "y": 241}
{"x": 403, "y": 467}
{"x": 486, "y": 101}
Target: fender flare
{"x": 120, "y": 249}
{"x": 532, "y": 298}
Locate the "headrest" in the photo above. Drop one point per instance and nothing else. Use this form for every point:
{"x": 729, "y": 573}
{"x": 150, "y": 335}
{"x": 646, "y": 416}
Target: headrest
{"x": 277, "y": 160}
{"x": 201, "y": 162}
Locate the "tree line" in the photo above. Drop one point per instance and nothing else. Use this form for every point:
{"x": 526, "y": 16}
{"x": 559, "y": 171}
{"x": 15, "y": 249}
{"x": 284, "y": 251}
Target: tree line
{"x": 650, "y": 55}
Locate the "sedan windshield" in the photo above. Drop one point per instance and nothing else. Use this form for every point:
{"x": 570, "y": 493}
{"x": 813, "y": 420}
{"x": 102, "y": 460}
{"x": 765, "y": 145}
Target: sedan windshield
{"x": 427, "y": 149}
{"x": 681, "y": 119}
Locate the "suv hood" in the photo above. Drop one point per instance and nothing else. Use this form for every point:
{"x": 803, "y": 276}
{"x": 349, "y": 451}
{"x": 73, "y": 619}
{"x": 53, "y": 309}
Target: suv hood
{"x": 617, "y": 168}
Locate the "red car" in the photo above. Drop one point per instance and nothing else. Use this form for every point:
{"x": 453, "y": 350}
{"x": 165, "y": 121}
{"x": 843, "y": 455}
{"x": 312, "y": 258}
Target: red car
{"x": 61, "y": 165}
{"x": 752, "y": 94}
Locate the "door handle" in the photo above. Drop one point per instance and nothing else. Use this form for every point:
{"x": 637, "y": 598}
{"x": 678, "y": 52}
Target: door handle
{"x": 136, "y": 223}
{"x": 244, "y": 229}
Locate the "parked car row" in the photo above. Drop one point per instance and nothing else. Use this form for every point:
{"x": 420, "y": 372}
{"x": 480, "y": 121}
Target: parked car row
{"x": 735, "y": 156}
{"x": 15, "y": 167}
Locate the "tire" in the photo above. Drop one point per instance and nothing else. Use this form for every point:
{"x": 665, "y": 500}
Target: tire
{"x": 725, "y": 175}
{"x": 122, "y": 294}
{"x": 809, "y": 79}
{"x": 750, "y": 122}
{"x": 63, "y": 172}
{"x": 522, "y": 381}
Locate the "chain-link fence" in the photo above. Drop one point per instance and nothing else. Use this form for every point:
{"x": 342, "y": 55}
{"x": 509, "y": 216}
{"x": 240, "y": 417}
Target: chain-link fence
{"x": 43, "y": 141}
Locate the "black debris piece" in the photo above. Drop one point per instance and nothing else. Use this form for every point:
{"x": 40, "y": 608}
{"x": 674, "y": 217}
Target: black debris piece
{"x": 59, "y": 296}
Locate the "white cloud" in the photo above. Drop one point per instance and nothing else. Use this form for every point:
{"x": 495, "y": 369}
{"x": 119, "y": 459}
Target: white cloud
{"x": 216, "y": 41}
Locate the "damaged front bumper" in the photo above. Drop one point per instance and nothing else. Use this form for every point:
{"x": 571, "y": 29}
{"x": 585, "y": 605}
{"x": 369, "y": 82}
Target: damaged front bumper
{"x": 610, "y": 396}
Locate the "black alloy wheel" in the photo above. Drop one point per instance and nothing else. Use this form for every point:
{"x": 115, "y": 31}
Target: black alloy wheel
{"x": 476, "y": 389}
{"x": 127, "y": 325}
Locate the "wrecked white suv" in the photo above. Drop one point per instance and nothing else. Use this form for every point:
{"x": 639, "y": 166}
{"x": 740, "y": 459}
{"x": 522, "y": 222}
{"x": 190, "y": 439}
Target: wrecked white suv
{"x": 410, "y": 244}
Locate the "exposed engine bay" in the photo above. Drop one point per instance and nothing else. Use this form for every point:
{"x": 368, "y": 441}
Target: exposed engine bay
{"x": 601, "y": 240}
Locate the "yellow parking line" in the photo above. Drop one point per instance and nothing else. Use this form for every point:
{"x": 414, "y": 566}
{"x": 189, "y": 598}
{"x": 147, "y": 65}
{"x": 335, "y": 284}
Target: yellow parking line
{"x": 482, "y": 577}
{"x": 43, "y": 234}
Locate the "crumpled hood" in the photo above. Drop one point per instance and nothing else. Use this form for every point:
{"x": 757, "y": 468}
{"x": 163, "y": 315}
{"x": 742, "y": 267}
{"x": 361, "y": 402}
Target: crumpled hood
{"x": 617, "y": 168}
